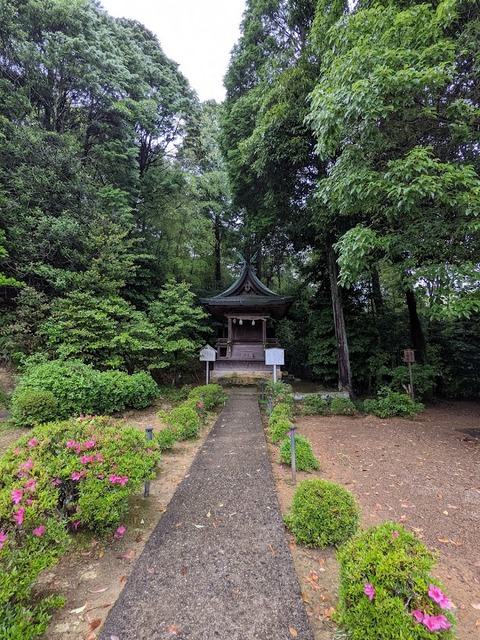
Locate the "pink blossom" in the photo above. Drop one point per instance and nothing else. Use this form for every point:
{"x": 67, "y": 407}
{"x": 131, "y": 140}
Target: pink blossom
{"x": 98, "y": 457}
{"x": 90, "y": 444}
{"x": 29, "y": 501}
{"x": 435, "y": 623}
{"x": 70, "y": 444}
{"x": 76, "y": 524}
{"x": 17, "y": 451}
{"x": 18, "y": 515}
{"x": 418, "y": 615}
{"x": 117, "y": 479}
{"x": 39, "y": 530}
{"x": 87, "y": 459}
{"x": 77, "y": 475}
{"x": 26, "y": 466}
{"x": 119, "y": 532}
{"x": 395, "y": 534}
{"x": 3, "y": 538}
{"x": 439, "y": 597}
{"x": 369, "y": 591}
{"x": 33, "y": 442}
{"x": 56, "y": 482}
{"x": 101, "y": 476}
{"x": 200, "y": 405}
{"x": 30, "y": 484}
{"x": 17, "y": 495}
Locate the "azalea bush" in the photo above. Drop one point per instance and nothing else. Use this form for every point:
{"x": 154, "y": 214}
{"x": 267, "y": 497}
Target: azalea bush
{"x": 392, "y": 403}
{"x": 209, "y": 395}
{"x": 77, "y": 389}
{"x": 165, "y": 439}
{"x": 305, "y": 459}
{"x": 61, "y": 477}
{"x": 281, "y": 393}
{"x": 184, "y": 421}
{"x": 314, "y": 405}
{"x": 323, "y": 513}
{"x": 279, "y": 426}
{"x": 386, "y": 590}
{"x": 342, "y": 407}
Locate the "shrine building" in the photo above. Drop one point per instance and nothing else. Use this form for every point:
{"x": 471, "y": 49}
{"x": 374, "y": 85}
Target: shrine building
{"x": 244, "y": 314}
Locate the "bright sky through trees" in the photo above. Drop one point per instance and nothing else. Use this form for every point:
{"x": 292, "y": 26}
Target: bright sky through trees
{"x": 198, "y": 34}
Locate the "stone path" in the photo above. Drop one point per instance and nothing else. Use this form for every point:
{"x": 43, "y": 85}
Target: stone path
{"x": 217, "y": 565}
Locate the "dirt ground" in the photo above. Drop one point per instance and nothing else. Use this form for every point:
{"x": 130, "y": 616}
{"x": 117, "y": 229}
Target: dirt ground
{"x": 423, "y": 473}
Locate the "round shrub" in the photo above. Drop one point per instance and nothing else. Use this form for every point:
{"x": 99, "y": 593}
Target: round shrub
{"x": 141, "y": 390}
{"x": 386, "y": 589}
{"x": 283, "y": 410}
{"x": 342, "y": 406}
{"x": 279, "y": 428}
{"x": 314, "y": 406}
{"x": 165, "y": 439}
{"x": 305, "y": 459}
{"x": 184, "y": 422}
{"x": 323, "y": 513}
{"x": 393, "y": 403}
{"x": 211, "y": 395}
{"x": 31, "y": 407}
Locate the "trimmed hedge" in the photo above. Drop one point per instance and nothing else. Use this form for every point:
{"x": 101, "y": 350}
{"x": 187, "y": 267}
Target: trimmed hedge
{"x": 305, "y": 459}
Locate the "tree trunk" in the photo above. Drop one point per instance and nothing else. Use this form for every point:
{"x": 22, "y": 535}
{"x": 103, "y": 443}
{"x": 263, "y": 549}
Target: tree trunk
{"x": 344, "y": 371}
{"x": 218, "y": 251}
{"x": 416, "y": 331}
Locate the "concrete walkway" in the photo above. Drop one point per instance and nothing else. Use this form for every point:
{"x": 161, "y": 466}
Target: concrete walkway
{"x": 217, "y": 565}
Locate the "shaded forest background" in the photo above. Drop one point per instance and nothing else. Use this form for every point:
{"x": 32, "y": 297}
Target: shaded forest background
{"x": 345, "y": 158}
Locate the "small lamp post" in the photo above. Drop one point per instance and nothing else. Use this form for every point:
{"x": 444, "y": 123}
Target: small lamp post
{"x": 149, "y": 434}
{"x": 409, "y": 358}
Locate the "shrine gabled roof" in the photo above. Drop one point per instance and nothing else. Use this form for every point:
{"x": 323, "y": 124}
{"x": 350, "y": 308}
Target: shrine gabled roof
{"x": 248, "y": 293}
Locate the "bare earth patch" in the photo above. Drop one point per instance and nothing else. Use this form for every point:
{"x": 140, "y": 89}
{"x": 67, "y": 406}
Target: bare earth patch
{"x": 423, "y": 473}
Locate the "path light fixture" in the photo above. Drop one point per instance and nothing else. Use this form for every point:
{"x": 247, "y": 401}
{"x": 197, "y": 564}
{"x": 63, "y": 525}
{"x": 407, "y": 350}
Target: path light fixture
{"x": 149, "y": 434}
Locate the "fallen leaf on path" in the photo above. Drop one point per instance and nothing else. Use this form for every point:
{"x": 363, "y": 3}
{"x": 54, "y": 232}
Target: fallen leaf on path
{"x": 92, "y": 636}
{"x": 173, "y": 629}
{"x": 444, "y": 540}
{"x": 98, "y": 590}
{"x": 475, "y": 606}
{"x": 122, "y": 579}
{"x": 139, "y": 538}
{"x": 305, "y": 597}
{"x": 292, "y": 544}
{"x": 184, "y": 571}
{"x": 209, "y": 515}
{"x": 272, "y": 550}
{"x": 128, "y": 556}
{"x": 94, "y": 624}
{"x": 80, "y": 609}
{"x": 151, "y": 570}
{"x": 293, "y": 632}
{"x": 199, "y": 526}
{"x": 328, "y": 613}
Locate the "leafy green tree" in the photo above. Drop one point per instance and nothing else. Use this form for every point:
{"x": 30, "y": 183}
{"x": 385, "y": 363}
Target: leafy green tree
{"x": 179, "y": 324}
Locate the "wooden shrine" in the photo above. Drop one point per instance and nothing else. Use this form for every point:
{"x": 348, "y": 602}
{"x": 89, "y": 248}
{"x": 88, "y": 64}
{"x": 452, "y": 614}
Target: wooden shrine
{"x": 243, "y": 313}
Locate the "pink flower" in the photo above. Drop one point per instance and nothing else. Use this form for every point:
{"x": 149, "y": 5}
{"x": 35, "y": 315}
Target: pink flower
{"x": 39, "y": 530}
{"x": 119, "y": 532}
{"x": 33, "y": 442}
{"x": 114, "y": 479}
{"x": 17, "y": 451}
{"x": 418, "y": 615}
{"x": 3, "y": 538}
{"x": 18, "y": 515}
{"x": 29, "y": 501}
{"x": 17, "y": 495}
{"x": 435, "y": 623}
{"x": 101, "y": 476}
{"x": 98, "y": 457}
{"x": 76, "y": 524}
{"x": 56, "y": 482}
{"x": 369, "y": 591}
{"x": 26, "y": 466}
{"x": 70, "y": 444}
{"x": 77, "y": 475}
{"x": 395, "y": 534}
{"x": 87, "y": 459}
{"x": 90, "y": 444}
{"x": 200, "y": 405}
{"x": 30, "y": 484}
{"x": 436, "y": 594}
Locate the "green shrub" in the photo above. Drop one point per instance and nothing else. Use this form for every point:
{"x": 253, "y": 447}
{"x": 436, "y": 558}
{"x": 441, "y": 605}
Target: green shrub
{"x": 63, "y": 475}
{"x": 279, "y": 428}
{"x": 393, "y": 566}
{"x": 392, "y": 403}
{"x": 211, "y": 395}
{"x": 165, "y": 439}
{"x": 323, "y": 513}
{"x": 5, "y": 399}
{"x": 184, "y": 422}
{"x": 280, "y": 392}
{"x": 305, "y": 459}
{"x": 80, "y": 389}
{"x": 283, "y": 410}
{"x": 314, "y": 405}
{"x": 31, "y": 407}
{"x": 342, "y": 407}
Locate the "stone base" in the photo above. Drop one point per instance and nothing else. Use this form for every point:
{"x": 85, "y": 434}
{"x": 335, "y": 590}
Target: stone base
{"x": 242, "y": 378}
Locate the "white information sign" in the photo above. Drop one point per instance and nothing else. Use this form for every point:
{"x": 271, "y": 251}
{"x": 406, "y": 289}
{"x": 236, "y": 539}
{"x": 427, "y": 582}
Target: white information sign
{"x": 275, "y": 356}
{"x": 208, "y": 354}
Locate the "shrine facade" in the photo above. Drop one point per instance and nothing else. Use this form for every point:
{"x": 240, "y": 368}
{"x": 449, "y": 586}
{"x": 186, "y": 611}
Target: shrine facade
{"x": 244, "y": 314}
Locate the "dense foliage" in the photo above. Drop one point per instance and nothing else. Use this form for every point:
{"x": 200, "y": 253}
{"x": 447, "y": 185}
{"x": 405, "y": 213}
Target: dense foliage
{"x": 61, "y": 477}
{"x": 386, "y": 588}
{"x": 305, "y": 459}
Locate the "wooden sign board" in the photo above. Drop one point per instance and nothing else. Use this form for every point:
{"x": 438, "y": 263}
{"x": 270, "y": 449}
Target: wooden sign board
{"x": 408, "y": 355}
{"x": 208, "y": 354}
{"x": 275, "y": 356}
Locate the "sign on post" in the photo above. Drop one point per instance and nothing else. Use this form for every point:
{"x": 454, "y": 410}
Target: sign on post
{"x": 275, "y": 357}
{"x": 208, "y": 354}
{"x": 409, "y": 358}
